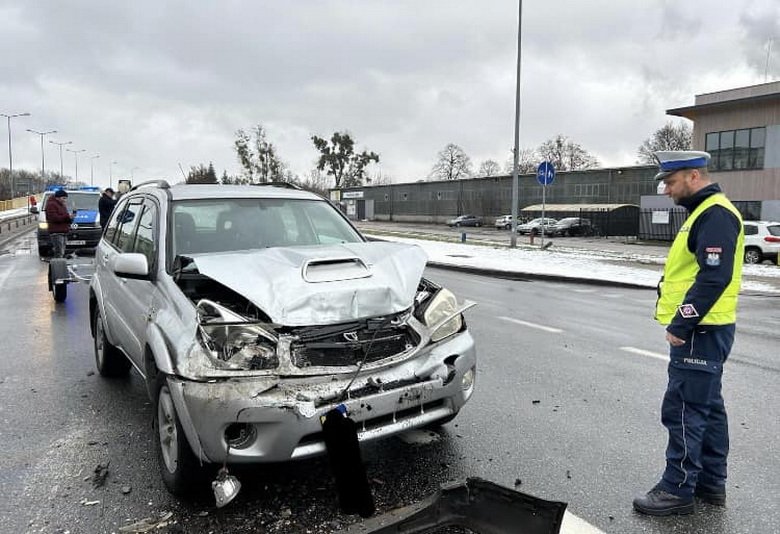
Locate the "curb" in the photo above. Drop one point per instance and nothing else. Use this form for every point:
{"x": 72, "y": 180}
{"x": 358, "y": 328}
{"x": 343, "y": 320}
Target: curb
{"x": 515, "y": 275}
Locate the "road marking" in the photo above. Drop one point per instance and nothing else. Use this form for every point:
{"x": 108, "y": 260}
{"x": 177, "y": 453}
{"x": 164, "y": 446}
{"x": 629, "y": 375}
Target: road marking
{"x": 532, "y": 325}
{"x": 641, "y": 352}
{"x": 584, "y": 290}
{"x": 574, "y": 525}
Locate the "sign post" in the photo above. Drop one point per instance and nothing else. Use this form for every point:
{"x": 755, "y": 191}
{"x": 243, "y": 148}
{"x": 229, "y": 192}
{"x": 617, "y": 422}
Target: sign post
{"x": 545, "y": 174}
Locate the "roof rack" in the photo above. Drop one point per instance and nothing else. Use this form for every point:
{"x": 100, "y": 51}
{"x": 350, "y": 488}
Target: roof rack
{"x": 288, "y": 185}
{"x": 162, "y": 184}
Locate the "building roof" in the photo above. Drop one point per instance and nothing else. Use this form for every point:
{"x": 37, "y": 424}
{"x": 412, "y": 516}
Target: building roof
{"x": 577, "y": 207}
{"x": 765, "y": 92}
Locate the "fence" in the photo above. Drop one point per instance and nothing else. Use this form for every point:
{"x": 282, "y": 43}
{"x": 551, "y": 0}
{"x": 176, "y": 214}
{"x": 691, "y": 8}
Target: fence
{"x": 621, "y": 222}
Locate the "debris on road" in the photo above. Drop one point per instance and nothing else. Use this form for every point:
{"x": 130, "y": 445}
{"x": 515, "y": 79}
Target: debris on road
{"x": 148, "y": 524}
{"x": 126, "y": 490}
{"x": 85, "y": 502}
{"x": 100, "y": 476}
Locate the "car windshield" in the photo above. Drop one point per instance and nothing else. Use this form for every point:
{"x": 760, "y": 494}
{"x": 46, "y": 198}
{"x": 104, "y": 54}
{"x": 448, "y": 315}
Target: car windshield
{"x": 226, "y": 225}
{"x": 79, "y": 201}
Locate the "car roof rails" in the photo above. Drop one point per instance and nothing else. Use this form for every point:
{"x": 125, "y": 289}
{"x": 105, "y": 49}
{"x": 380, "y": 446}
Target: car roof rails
{"x": 288, "y": 185}
{"x": 162, "y": 184}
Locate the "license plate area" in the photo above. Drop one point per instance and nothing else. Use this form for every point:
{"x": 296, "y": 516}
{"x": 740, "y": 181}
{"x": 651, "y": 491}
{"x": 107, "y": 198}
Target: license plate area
{"x": 76, "y": 242}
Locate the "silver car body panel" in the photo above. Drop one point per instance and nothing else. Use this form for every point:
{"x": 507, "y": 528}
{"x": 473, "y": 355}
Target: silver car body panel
{"x": 298, "y": 286}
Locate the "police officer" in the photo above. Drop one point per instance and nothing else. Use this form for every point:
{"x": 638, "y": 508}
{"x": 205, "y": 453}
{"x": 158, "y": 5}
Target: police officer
{"x": 697, "y": 301}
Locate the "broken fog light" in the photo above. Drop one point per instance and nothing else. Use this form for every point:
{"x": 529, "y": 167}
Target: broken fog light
{"x": 239, "y": 346}
{"x": 441, "y": 317}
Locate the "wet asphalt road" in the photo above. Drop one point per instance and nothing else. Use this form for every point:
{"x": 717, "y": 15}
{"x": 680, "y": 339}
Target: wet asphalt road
{"x": 566, "y": 411}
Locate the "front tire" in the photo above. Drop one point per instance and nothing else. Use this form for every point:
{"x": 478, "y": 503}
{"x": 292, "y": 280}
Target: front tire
{"x": 109, "y": 360}
{"x": 179, "y": 467}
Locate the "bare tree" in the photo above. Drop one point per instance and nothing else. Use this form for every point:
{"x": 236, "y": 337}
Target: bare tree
{"x": 258, "y": 156}
{"x": 527, "y": 162}
{"x": 489, "y": 167}
{"x": 453, "y": 164}
{"x": 346, "y": 166}
{"x": 669, "y": 137}
{"x": 566, "y": 155}
{"x": 317, "y": 182}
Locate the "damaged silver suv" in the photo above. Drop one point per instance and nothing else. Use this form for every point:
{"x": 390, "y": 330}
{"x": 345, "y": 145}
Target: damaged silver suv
{"x": 251, "y": 311}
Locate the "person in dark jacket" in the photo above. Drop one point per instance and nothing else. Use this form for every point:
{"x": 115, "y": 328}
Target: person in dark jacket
{"x": 697, "y": 303}
{"x": 106, "y": 206}
{"x": 59, "y": 220}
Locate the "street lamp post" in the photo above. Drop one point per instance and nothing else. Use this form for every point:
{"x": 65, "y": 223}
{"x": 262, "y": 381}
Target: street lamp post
{"x": 62, "y": 176}
{"x": 43, "y": 158}
{"x": 92, "y": 168}
{"x": 111, "y": 174}
{"x": 10, "y": 154}
{"x": 76, "y": 159}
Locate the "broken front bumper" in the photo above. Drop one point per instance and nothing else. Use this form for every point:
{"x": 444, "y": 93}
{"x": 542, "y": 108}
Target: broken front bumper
{"x": 279, "y": 420}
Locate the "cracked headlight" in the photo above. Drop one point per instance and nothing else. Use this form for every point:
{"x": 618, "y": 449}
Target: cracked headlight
{"x": 242, "y": 347}
{"x": 442, "y": 315}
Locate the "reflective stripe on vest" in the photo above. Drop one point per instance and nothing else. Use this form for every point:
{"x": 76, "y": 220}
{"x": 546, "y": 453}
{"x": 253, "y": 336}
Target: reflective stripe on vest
{"x": 681, "y": 269}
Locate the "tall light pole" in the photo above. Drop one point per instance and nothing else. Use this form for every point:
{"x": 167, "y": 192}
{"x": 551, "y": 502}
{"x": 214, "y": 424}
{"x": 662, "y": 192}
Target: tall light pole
{"x": 76, "y": 159}
{"x": 43, "y": 158}
{"x": 515, "y": 186}
{"x": 10, "y": 154}
{"x": 62, "y": 176}
{"x": 92, "y": 168}
{"x": 111, "y": 174}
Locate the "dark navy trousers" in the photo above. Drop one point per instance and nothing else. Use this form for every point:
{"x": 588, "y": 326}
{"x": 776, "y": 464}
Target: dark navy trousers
{"x": 694, "y": 414}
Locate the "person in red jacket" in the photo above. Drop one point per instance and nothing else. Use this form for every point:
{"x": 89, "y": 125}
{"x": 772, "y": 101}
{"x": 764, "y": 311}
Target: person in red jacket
{"x": 59, "y": 220}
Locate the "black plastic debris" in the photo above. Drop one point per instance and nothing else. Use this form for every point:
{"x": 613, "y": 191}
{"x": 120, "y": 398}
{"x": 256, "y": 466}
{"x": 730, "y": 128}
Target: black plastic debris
{"x": 478, "y": 506}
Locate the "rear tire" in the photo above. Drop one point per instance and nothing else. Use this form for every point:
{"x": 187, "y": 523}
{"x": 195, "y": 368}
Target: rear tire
{"x": 753, "y": 255}
{"x": 109, "y": 360}
{"x": 179, "y": 467}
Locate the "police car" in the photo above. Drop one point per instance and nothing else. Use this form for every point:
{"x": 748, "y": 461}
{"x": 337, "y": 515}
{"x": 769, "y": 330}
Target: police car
{"x": 85, "y": 230}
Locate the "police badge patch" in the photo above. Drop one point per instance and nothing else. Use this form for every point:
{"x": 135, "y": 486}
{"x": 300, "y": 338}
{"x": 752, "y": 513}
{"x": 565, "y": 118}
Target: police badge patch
{"x": 713, "y": 256}
{"x": 687, "y": 311}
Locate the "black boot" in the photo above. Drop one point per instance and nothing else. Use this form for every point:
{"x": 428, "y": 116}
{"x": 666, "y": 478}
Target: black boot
{"x": 659, "y": 502}
{"x": 714, "y": 496}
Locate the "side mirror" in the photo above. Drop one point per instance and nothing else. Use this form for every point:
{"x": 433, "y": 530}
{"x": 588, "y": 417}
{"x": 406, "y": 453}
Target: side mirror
{"x": 33, "y": 209}
{"x": 131, "y": 265}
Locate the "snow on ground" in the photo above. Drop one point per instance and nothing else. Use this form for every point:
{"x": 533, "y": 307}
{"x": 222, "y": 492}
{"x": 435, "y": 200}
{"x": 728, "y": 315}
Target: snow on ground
{"x": 10, "y": 214}
{"x": 592, "y": 265}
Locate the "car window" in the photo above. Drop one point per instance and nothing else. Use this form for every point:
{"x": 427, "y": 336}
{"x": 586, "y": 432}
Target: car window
{"x": 113, "y": 223}
{"x": 774, "y": 229}
{"x": 224, "y": 225}
{"x": 127, "y": 221}
{"x": 143, "y": 241}
{"x": 751, "y": 229}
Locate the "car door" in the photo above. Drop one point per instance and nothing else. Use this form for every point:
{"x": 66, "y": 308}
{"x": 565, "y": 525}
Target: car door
{"x": 119, "y": 235}
{"x": 137, "y": 295}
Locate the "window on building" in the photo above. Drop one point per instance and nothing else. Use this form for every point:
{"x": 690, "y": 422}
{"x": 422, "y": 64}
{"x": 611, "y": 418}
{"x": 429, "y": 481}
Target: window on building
{"x": 736, "y": 149}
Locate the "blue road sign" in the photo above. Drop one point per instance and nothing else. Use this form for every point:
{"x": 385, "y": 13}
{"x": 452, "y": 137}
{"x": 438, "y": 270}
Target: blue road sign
{"x": 545, "y": 173}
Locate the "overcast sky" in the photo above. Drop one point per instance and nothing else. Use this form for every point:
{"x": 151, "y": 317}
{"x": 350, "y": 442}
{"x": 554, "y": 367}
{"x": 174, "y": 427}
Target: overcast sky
{"x": 156, "y": 84}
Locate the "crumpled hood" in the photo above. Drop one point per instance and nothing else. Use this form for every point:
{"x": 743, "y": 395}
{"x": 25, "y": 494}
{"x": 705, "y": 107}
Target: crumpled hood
{"x": 300, "y": 286}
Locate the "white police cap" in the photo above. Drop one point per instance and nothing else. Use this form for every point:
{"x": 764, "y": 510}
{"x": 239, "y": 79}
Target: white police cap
{"x": 671, "y": 161}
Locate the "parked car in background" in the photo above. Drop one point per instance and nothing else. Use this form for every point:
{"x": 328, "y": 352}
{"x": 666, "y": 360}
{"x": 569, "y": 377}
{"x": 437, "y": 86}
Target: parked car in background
{"x": 762, "y": 241}
{"x": 535, "y": 226}
{"x": 571, "y": 226}
{"x": 465, "y": 220}
{"x": 85, "y": 229}
{"x": 250, "y": 312}
{"x": 504, "y": 222}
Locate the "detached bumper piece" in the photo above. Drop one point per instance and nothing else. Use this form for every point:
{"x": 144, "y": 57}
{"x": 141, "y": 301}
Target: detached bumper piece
{"x": 477, "y": 505}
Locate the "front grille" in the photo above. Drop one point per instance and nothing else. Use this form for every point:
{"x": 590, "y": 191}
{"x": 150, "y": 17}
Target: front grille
{"x": 350, "y": 343}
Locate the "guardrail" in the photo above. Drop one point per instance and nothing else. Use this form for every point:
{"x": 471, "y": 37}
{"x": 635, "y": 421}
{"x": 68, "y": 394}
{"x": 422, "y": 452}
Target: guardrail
{"x": 15, "y": 225}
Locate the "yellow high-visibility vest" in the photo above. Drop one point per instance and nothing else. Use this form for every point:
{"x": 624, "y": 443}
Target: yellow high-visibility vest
{"x": 681, "y": 269}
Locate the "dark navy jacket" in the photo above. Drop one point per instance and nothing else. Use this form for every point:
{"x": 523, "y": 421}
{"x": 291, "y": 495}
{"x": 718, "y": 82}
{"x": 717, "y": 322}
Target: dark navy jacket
{"x": 716, "y": 228}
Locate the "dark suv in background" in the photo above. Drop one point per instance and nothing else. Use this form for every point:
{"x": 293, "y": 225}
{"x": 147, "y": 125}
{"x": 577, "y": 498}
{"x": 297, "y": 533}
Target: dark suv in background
{"x": 571, "y": 226}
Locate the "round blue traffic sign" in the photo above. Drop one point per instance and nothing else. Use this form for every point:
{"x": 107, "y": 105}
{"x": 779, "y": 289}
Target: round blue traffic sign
{"x": 545, "y": 173}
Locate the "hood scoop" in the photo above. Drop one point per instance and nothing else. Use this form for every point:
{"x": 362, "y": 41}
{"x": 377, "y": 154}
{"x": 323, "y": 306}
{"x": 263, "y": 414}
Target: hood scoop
{"x": 334, "y": 269}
